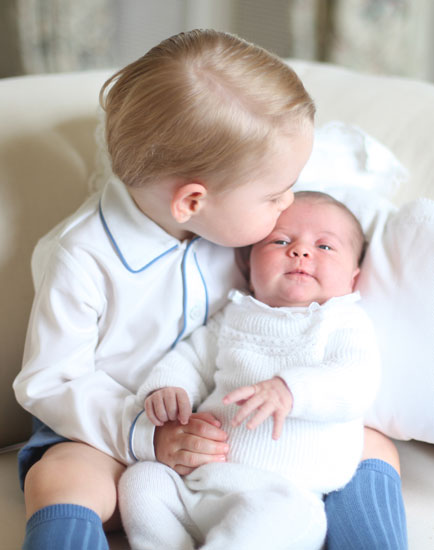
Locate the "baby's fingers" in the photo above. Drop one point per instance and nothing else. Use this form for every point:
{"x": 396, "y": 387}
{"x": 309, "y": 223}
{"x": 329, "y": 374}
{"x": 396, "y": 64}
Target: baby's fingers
{"x": 249, "y": 406}
{"x": 262, "y": 414}
{"x": 170, "y": 400}
{"x": 239, "y": 395}
{"x": 279, "y": 421}
{"x": 184, "y": 407}
{"x": 151, "y": 413}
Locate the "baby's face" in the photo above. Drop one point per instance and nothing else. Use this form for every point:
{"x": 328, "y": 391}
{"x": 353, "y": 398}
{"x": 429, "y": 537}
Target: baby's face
{"x": 308, "y": 257}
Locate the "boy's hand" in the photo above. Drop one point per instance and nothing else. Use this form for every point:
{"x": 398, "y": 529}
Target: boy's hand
{"x": 268, "y": 398}
{"x": 168, "y": 404}
{"x": 184, "y": 448}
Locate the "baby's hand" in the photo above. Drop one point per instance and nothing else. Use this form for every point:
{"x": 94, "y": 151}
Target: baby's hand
{"x": 268, "y": 398}
{"x": 168, "y": 404}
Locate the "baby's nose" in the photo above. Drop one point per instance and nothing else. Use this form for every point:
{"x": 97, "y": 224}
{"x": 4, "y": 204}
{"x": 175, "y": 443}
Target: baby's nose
{"x": 299, "y": 252}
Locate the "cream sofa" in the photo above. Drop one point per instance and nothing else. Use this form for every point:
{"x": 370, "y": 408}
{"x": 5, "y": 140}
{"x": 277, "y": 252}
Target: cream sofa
{"x": 47, "y": 156}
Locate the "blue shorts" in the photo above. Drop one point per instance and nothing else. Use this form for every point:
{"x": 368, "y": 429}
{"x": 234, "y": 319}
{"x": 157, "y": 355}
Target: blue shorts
{"x": 41, "y": 440}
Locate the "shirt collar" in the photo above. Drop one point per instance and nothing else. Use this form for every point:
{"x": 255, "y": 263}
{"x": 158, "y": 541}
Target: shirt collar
{"x": 249, "y": 301}
{"x": 138, "y": 241}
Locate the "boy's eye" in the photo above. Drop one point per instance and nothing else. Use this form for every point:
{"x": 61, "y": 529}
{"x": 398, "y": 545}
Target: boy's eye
{"x": 325, "y": 247}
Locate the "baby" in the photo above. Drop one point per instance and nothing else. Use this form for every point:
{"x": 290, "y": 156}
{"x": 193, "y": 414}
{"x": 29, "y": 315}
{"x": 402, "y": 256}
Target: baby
{"x": 298, "y": 360}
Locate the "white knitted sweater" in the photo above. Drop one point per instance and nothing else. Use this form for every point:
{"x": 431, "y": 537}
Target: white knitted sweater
{"x": 329, "y": 359}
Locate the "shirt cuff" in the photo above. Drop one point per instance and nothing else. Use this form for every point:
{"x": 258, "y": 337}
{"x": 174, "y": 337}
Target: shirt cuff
{"x": 141, "y": 440}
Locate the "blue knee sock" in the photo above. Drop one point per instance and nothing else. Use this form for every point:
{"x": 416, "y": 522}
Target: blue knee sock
{"x": 368, "y": 513}
{"x": 65, "y": 527}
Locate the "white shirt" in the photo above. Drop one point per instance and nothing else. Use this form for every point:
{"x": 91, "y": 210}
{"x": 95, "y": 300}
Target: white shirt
{"x": 114, "y": 292}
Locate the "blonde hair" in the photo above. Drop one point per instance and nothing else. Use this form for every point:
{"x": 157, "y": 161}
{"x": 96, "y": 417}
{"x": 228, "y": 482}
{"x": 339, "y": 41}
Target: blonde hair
{"x": 202, "y": 104}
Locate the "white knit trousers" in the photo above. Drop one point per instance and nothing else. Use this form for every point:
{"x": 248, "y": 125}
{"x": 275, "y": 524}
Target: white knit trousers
{"x": 218, "y": 506}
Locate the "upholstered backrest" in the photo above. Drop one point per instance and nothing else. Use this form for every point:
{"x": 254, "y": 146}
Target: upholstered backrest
{"x": 47, "y": 153}
{"x": 398, "y": 112}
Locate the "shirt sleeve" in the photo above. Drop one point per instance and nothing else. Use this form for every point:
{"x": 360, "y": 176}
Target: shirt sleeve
{"x": 344, "y": 384}
{"x": 191, "y": 366}
{"x": 59, "y": 382}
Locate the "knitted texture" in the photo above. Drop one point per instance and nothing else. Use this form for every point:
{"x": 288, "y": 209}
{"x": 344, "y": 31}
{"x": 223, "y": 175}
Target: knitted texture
{"x": 368, "y": 513}
{"x": 66, "y": 527}
{"x": 326, "y": 354}
{"x": 238, "y": 512}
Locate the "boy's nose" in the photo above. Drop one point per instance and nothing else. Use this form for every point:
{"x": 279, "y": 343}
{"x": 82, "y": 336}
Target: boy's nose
{"x": 287, "y": 200}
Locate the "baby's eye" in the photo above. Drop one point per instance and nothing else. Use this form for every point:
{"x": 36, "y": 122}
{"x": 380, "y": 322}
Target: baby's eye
{"x": 325, "y": 247}
{"x": 281, "y": 242}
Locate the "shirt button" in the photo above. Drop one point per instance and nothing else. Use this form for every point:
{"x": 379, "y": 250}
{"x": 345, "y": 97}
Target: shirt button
{"x": 195, "y": 313}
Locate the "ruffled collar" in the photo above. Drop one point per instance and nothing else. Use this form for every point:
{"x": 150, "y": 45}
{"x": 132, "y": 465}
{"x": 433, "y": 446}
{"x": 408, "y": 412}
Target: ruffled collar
{"x": 249, "y": 302}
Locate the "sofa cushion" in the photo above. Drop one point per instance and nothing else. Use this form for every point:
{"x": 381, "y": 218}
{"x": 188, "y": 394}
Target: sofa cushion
{"x": 397, "y": 282}
{"x": 47, "y": 152}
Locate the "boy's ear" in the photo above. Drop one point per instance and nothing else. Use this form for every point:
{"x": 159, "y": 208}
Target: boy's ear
{"x": 187, "y": 201}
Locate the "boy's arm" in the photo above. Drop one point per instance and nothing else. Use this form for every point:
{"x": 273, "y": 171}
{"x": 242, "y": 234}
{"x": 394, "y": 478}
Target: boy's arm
{"x": 59, "y": 382}
{"x": 343, "y": 386}
{"x": 190, "y": 366}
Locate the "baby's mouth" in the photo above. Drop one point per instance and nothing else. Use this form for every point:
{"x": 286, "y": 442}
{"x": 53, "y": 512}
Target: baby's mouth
{"x": 298, "y": 273}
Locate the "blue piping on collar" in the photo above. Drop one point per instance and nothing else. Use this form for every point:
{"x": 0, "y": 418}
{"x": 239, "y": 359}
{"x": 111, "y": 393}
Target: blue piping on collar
{"x": 184, "y": 282}
{"x": 121, "y": 256}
